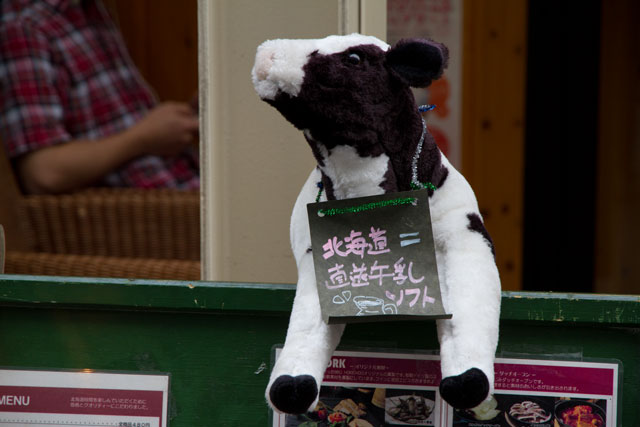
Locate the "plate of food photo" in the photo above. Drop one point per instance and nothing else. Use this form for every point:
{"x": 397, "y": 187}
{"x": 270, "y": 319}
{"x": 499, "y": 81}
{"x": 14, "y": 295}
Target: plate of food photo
{"x": 486, "y": 412}
{"x": 529, "y": 413}
{"x": 414, "y": 410}
{"x": 578, "y": 413}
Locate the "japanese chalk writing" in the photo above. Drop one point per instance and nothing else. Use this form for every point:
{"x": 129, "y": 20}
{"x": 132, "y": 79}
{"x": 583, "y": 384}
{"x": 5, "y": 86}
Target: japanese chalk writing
{"x": 376, "y": 262}
{"x": 374, "y": 273}
{"x": 355, "y": 243}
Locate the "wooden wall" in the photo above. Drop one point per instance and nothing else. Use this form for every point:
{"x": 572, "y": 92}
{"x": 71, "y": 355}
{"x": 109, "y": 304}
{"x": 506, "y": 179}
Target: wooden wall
{"x": 617, "y": 251}
{"x": 162, "y": 38}
{"x": 494, "y": 78}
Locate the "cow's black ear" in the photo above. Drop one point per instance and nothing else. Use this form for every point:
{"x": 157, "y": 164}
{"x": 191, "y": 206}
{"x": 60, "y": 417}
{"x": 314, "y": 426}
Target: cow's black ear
{"x": 417, "y": 61}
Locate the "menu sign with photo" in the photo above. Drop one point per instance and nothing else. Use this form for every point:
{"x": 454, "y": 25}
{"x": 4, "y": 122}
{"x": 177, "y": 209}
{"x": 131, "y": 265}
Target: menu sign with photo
{"x": 548, "y": 393}
{"x": 82, "y": 399}
{"x": 392, "y": 389}
{"x": 374, "y": 258}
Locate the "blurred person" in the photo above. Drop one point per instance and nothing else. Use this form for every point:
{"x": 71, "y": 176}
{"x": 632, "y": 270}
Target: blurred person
{"x": 75, "y": 111}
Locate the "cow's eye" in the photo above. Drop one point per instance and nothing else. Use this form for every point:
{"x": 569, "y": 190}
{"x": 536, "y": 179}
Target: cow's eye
{"x": 353, "y": 58}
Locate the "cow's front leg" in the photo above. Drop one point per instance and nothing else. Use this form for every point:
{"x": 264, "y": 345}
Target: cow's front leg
{"x": 471, "y": 292}
{"x": 296, "y": 377}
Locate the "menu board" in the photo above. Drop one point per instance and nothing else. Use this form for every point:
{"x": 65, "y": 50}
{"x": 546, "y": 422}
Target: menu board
{"x": 82, "y": 399}
{"x": 374, "y": 258}
{"x": 364, "y": 389}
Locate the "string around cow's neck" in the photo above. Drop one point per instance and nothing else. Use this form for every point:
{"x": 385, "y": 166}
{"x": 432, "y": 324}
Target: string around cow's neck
{"x": 415, "y": 184}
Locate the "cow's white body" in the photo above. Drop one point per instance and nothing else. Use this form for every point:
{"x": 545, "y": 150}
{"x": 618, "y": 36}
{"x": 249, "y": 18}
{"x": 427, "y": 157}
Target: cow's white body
{"x": 469, "y": 279}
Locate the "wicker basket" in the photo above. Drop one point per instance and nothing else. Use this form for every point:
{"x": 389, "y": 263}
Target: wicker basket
{"x": 41, "y": 263}
{"x": 111, "y": 233}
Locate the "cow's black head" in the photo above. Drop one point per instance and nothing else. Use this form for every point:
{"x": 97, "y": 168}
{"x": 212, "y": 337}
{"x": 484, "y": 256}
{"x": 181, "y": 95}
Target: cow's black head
{"x": 347, "y": 90}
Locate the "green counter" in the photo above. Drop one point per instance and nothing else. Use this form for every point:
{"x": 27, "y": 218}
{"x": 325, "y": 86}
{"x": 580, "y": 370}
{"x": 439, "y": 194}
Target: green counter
{"x": 215, "y": 339}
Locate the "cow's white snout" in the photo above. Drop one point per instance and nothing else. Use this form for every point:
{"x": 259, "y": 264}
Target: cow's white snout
{"x": 264, "y": 61}
{"x": 279, "y": 67}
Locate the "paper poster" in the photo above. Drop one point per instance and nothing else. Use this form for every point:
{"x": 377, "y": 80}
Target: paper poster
{"x": 374, "y": 258}
{"x": 440, "y": 20}
{"x": 390, "y": 389}
{"x": 545, "y": 393}
{"x": 82, "y": 399}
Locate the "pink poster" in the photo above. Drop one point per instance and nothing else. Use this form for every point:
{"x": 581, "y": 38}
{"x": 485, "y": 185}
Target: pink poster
{"x": 440, "y": 20}
{"x": 389, "y": 389}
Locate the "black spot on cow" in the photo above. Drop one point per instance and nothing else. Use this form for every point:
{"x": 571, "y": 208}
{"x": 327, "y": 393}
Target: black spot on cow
{"x": 475, "y": 224}
{"x": 315, "y": 149}
{"x": 389, "y": 185}
{"x": 327, "y": 185}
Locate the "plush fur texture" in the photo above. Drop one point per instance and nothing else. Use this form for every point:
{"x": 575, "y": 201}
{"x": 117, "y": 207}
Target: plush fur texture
{"x": 295, "y": 394}
{"x": 476, "y": 224}
{"x": 351, "y": 97}
{"x": 465, "y": 390}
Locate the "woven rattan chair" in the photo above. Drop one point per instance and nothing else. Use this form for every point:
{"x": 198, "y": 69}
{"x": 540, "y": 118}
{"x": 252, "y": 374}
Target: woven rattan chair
{"x": 101, "y": 232}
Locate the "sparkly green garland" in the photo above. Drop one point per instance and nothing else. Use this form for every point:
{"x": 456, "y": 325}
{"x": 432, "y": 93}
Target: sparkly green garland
{"x": 367, "y": 206}
{"x": 414, "y": 186}
{"x": 420, "y": 186}
{"x": 373, "y": 205}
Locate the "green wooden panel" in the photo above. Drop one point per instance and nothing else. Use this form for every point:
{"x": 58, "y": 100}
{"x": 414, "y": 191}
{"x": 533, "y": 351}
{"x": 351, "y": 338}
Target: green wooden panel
{"x": 216, "y": 338}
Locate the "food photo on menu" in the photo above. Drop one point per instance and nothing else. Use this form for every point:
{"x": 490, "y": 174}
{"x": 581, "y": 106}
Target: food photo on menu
{"x": 533, "y": 411}
{"x": 368, "y": 407}
{"x": 580, "y": 413}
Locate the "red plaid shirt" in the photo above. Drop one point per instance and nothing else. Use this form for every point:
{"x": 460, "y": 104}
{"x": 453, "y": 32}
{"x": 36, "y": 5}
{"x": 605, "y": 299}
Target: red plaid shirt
{"x": 65, "y": 74}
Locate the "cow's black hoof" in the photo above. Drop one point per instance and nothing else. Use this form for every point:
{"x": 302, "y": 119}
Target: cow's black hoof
{"x": 293, "y": 395}
{"x": 466, "y": 390}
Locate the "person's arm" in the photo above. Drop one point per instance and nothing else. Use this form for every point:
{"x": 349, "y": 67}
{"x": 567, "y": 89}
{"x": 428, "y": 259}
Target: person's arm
{"x": 166, "y": 130}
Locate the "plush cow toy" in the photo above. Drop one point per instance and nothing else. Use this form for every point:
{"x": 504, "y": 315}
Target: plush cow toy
{"x": 351, "y": 97}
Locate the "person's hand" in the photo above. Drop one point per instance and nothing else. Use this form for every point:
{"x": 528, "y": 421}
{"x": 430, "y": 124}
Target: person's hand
{"x": 167, "y": 129}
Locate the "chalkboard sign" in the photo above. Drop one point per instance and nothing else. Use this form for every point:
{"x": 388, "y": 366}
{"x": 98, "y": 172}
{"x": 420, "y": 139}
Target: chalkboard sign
{"x": 374, "y": 258}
